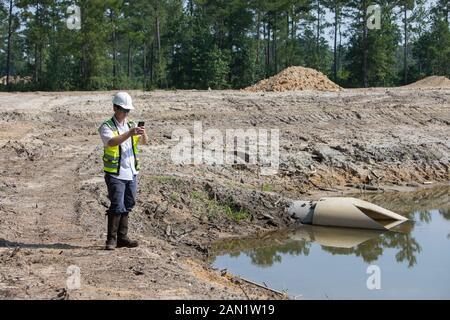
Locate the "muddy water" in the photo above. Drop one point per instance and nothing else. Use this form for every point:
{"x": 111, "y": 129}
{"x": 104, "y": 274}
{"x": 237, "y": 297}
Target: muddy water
{"x": 310, "y": 262}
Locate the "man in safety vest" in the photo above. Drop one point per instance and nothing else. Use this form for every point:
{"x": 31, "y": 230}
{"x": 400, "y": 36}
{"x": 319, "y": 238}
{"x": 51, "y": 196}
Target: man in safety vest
{"x": 121, "y": 138}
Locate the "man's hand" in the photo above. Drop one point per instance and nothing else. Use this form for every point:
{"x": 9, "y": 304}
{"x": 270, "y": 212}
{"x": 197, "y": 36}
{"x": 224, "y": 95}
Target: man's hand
{"x": 137, "y": 131}
{"x": 144, "y": 137}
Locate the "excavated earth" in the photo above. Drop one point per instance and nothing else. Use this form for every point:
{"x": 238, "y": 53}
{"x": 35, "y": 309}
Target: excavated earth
{"x": 435, "y": 82}
{"x": 53, "y": 195}
{"x": 295, "y": 78}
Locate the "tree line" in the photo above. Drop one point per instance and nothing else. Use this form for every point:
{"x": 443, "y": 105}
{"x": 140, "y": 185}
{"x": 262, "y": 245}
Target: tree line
{"x": 218, "y": 44}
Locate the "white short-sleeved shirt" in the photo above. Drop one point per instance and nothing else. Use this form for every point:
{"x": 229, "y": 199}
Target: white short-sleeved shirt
{"x": 127, "y": 167}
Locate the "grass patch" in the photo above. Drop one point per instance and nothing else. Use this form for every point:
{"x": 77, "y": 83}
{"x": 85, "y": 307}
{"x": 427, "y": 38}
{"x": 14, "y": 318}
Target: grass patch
{"x": 214, "y": 208}
{"x": 197, "y": 195}
{"x": 175, "y": 196}
{"x": 266, "y": 187}
{"x": 164, "y": 179}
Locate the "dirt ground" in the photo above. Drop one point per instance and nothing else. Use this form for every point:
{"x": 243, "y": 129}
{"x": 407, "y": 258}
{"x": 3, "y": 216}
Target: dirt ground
{"x": 53, "y": 195}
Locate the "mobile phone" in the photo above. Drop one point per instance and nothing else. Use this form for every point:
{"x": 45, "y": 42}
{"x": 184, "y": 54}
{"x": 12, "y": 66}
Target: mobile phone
{"x": 141, "y": 124}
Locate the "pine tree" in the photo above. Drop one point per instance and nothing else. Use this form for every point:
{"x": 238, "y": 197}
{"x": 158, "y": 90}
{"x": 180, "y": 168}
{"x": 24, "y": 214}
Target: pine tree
{"x": 94, "y": 46}
{"x": 371, "y": 58}
{"x": 35, "y": 14}
{"x": 359, "y": 42}
{"x": 9, "y": 43}
{"x": 432, "y": 48}
{"x": 407, "y": 5}
{"x": 55, "y": 75}
{"x": 3, "y": 37}
{"x": 336, "y": 6}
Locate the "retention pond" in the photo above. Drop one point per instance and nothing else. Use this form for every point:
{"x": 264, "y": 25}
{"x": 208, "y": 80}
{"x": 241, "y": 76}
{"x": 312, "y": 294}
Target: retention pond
{"x": 412, "y": 261}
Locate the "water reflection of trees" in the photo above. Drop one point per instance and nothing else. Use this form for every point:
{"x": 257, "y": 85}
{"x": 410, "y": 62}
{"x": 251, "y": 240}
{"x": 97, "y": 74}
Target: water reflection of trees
{"x": 424, "y": 216}
{"x": 269, "y": 249}
{"x": 266, "y": 251}
{"x": 371, "y": 250}
{"x": 267, "y": 256}
{"x": 263, "y": 251}
{"x": 445, "y": 213}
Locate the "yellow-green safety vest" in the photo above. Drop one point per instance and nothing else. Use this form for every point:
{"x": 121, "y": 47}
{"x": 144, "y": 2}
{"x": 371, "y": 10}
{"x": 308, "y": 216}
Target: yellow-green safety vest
{"x": 112, "y": 155}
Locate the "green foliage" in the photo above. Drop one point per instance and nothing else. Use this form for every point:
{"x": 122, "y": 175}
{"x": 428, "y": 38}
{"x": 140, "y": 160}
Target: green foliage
{"x": 197, "y": 195}
{"x": 267, "y": 187}
{"x": 432, "y": 49}
{"x": 219, "y": 44}
{"x": 213, "y": 208}
{"x": 166, "y": 179}
{"x": 371, "y": 58}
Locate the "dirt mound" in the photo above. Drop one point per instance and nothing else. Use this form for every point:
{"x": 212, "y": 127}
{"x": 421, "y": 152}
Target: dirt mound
{"x": 431, "y": 82}
{"x": 20, "y": 150}
{"x": 296, "y": 79}
{"x": 15, "y": 80}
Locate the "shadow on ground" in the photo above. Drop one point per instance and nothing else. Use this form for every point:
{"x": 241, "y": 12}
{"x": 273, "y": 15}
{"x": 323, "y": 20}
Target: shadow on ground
{"x": 9, "y": 244}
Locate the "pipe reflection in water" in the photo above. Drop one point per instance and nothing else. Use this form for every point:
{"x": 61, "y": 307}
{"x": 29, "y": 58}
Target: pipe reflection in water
{"x": 332, "y": 236}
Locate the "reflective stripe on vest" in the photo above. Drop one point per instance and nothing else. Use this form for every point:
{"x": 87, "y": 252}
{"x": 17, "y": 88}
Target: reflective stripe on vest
{"x": 112, "y": 155}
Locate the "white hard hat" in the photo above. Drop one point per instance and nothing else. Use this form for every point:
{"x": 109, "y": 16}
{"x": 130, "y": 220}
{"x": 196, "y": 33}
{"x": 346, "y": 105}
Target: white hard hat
{"x": 123, "y": 100}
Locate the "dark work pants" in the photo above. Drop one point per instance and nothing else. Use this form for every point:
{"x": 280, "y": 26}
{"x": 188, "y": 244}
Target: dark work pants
{"x": 121, "y": 193}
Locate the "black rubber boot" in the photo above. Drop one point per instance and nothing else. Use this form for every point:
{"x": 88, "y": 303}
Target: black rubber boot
{"x": 122, "y": 235}
{"x": 113, "y": 227}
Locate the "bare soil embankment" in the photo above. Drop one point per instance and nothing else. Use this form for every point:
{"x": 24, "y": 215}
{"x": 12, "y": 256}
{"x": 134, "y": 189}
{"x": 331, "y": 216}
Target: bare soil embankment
{"x": 436, "y": 82}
